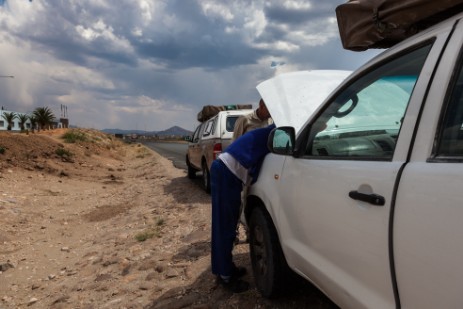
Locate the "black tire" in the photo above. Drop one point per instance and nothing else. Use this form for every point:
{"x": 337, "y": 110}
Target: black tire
{"x": 191, "y": 170}
{"x": 271, "y": 272}
{"x": 206, "y": 178}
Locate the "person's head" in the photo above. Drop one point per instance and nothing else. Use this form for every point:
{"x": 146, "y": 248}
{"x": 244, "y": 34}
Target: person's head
{"x": 262, "y": 111}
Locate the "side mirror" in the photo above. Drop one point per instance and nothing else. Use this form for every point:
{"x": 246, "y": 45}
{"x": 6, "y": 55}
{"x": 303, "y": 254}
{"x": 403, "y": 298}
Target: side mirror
{"x": 282, "y": 141}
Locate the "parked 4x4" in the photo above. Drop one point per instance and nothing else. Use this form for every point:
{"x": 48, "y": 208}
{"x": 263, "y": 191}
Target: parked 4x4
{"x": 363, "y": 196}
{"x": 208, "y": 140}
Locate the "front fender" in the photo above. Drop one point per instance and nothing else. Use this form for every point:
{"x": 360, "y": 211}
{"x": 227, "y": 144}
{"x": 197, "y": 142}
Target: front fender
{"x": 265, "y": 192}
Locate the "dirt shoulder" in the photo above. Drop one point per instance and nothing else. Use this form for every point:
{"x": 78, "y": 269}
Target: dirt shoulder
{"x": 104, "y": 224}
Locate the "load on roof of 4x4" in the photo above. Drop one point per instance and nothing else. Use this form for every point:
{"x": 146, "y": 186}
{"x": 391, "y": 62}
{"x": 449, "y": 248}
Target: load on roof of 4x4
{"x": 209, "y": 111}
{"x": 365, "y": 24}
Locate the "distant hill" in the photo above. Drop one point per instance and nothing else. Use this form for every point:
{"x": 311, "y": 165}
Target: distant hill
{"x": 175, "y": 130}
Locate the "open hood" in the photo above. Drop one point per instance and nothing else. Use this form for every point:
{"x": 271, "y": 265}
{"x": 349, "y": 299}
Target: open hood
{"x": 292, "y": 98}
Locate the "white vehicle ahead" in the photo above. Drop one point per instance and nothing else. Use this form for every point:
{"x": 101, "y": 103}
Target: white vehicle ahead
{"x": 207, "y": 142}
{"x": 364, "y": 195}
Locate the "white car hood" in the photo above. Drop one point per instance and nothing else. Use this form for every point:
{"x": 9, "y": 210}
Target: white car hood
{"x": 293, "y": 98}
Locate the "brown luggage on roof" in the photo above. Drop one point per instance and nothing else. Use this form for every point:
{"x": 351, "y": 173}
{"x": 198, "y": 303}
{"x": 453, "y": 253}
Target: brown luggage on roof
{"x": 209, "y": 111}
{"x": 365, "y": 24}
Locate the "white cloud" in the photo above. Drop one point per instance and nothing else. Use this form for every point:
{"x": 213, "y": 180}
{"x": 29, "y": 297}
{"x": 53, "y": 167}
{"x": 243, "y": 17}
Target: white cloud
{"x": 217, "y": 10}
{"x": 296, "y": 5}
{"x": 146, "y": 8}
{"x": 137, "y": 32}
{"x": 87, "y": 33}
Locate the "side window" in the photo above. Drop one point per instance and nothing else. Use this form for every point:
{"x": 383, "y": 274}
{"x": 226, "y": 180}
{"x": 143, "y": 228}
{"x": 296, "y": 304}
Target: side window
{"x": 364, "y": 120}
{"x": 450, "y": 143}
{"x": 230, "y": 123}
{"x": 209, "y": 127}
{"x": 196, "y": 134}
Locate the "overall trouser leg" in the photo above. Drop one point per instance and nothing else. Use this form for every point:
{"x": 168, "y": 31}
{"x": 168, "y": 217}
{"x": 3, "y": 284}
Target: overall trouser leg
{"x": 226, "y": 200}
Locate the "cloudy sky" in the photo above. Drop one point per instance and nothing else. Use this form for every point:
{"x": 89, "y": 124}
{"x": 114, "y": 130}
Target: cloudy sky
{"x": 152, "y": 64}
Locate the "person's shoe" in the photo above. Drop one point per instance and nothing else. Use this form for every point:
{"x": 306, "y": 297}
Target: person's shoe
{"x": 233, "y": 284}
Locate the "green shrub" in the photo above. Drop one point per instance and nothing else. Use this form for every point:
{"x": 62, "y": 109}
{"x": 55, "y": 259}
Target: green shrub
{"x": 145, "y": 235}
{"x": 151, "y": 232}
{"x": 63, "y": 153}
{"x": 2, "y": 150}
{"x": 142, "y": 152}
{"x": 73, "y": 136}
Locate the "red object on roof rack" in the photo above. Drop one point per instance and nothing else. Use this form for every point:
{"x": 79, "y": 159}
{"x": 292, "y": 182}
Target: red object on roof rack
{"x": 365, "y": 24}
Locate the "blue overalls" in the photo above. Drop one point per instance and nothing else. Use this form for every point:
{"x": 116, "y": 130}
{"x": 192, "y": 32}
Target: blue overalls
{"x": 247, "y": 152}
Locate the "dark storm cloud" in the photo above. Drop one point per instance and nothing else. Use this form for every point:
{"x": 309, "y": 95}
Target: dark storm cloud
{"x": 205, "y": 43}
{"x": 55, "y": 33}
{"x": 202, "y": 42}
{"x": 272, "y": 33}
{"x": 331, "y": 56}
{"x": 121, "y": 63}
{"x": 187, "y": 52}
{"x": 278, "y": 13}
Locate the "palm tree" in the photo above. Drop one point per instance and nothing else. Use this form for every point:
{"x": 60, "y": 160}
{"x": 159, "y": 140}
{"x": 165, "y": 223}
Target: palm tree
{"x": 33, "y": 121}
{"x": 44, "y": 116}
{"x": 22, "y": 120}
{"x": 9, "y": 117}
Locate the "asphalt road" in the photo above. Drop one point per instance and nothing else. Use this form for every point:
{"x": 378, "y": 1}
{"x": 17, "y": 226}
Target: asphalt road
{"x": 173, "y": 151}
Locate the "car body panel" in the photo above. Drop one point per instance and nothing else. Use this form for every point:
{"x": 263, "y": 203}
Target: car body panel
{"x": 344, "y": 239}
{"x": 428, "y": 229}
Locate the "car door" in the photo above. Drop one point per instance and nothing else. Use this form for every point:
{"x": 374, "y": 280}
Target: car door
{"x": 208, "y": 139}
{"x": 428, "y": 246}
{"x": 336, "y": 196}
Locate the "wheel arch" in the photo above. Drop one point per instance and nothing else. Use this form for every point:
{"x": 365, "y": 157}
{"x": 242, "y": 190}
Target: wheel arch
{"x": 189, "y": 163}
{"x": 284, "y": 276}
{"x": 253, "y": 202}
{"x": 206, "y": 175}
{"x": 204, "y": 161}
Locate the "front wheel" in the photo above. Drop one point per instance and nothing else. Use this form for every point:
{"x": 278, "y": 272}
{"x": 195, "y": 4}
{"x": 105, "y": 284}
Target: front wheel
{"x": 268, "y": 262}
{"x": 206, "y": 178}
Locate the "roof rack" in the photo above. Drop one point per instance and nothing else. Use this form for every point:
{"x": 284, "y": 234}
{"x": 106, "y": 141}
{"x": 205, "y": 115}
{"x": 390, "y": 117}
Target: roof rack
{"x": 209, "y": 111}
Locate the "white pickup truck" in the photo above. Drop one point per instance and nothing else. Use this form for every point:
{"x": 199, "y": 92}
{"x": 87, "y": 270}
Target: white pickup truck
{"x": 208, "y": 140}
{"x": 364, "y": 196}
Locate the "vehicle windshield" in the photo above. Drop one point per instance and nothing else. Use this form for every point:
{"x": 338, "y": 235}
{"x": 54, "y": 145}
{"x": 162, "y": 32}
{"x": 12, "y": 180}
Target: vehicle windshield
{"x": 364, "y": 120}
